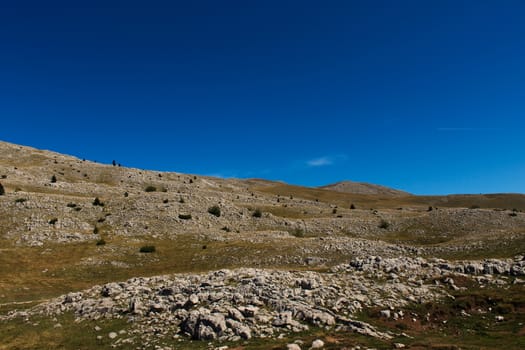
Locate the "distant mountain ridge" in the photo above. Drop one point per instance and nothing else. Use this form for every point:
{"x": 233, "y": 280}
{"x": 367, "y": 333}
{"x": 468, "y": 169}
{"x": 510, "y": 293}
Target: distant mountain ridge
{"x": 363, "y": 188}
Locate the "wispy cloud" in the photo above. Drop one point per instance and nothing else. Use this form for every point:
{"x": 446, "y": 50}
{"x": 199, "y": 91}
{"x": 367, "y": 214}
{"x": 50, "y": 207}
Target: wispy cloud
{"x": 325, "y": 161}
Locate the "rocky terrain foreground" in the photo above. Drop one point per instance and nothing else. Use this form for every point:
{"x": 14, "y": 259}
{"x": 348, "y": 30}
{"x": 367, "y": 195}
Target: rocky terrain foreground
{"x": 103, "y": 256}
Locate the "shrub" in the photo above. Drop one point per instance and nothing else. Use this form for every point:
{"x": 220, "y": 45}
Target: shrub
{"x": 98, "y": 202}
{"x": 352, "y": 206}
{"x": 165, "y": 201}
{"x": 513, "y": 214}
{"x": 95, "y": 231}
{"x": 101, "y": 242}
{"x": 2, "y": 190}
{"x": 126, "y": 194}
{"x": 215, "y": 210}
{"x": 226, "y": 229}
{"x": 334, "y": 211}
{"x": 53, "y": 179}
{"x": 71, "y": 205}
{"x": 53, "y": 221}
{"x": 147, "y": 249}
{"x": 474, "y": 206}
{"x": 20, "y": 200}
{"x": 150, "y": 189}
{"x": 384, "y": 224}
{"x": 181, "y": 200}
{"x": 297, "y": 232}
{"x": 257, "y": 213}
{"x": 185, "y": 216}
{"x": 430, "y": 208}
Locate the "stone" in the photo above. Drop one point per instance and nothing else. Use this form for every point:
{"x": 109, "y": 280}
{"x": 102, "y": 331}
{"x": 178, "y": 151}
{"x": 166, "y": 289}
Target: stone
{"x": 112, "y": 335}
{"x": 317, "y": 344}
{"x": 293, "y": 347}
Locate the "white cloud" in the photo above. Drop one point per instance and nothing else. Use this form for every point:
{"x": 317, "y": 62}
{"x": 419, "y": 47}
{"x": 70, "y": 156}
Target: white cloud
{"x": 326, "y": 160}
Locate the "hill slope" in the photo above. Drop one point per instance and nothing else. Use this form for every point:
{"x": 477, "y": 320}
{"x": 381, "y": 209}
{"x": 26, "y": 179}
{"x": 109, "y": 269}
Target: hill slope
{"x": 67, "y": 224}
{"x": 363, "y": 188}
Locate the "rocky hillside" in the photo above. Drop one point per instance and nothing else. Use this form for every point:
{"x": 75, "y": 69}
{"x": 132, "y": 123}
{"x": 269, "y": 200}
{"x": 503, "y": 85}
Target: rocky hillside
{"x": 148, "y": 259}
{"x": 364, "y": 188}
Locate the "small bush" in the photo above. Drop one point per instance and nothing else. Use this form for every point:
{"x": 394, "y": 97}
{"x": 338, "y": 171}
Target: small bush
{"x": 101, "y": 242}
{"x": 2, "y": 190}
{"x": 20, "y": 200}
{"x": 166, "y": 201}
{"x": 53, "y": 179}
{"x": 430, "y": 208}
{"x": 513, "y": 214}
{"x": 53, "y": 221}
{"x": 352, "y": 206}
{"x": 181, "y": 200}
{"x": 126, "y": 194}
{"x": 257, "y": 213}
{"x": 95, "y": 231}
{"x": 475, "y": 206}
{"x": 215, "y": 210}
{"x": 334, "y": 211}
{"x": 226, "y": 229}
{"x": 71, "y": 205}
{"x": 150, "y": 189}
{"x": 384, "y": 224}
{"x": 147, "y": 249}
{"x": 297, "y": 232}
{"x": 185, "y": 216}
{"x": 98, "y": 202}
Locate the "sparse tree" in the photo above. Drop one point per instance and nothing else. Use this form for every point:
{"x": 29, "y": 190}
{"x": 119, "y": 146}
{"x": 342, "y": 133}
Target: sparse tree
{"x": 215, "y": 210}
{"x": 114, "y": 163}
{"x": 98, "y": 202}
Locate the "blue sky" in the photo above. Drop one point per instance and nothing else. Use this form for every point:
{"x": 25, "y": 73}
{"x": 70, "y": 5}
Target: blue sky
{"x": 424, "y": 96}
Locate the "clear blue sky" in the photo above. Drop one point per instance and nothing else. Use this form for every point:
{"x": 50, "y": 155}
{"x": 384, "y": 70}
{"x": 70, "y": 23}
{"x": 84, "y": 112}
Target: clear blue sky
{"x": 425, "y": 96}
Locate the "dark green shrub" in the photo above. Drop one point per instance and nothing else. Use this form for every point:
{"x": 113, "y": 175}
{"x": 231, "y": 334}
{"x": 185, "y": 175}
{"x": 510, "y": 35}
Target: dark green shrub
{"x": 474, "y": 206}
{"x": 20, "y": 200}
{"x": 126, "y": 194}
{"x": 53, "y": 179}
{"x": 226, "y": 229}
{"x": 181, "y": 200}
{"x": 53, "y": 221}
{"x": 95, "y": 230}
{"x": 166, "y": 201}
{"x": 257, "y": 213}
{"x": 384, "y": 224}
{"x": 150, "y": 189}
{"x": 147, "y": 249}
{"x": 98, "y": 202}
{"x": 71, "y": 205}
{"x": 215, "y": 210}
{"x": 101, "y": 242}
{"x": 297, "y": 232}
{"x": 430, "y": 208}
{"x": 334, "y": 211}
{"x": 2, "y": 190}
{"x": 185, "y": 216}
{"x": 352, "y": 206}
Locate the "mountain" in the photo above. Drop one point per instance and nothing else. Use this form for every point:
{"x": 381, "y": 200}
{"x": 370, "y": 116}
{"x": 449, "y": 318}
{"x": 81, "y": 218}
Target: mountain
{"x": 101, "y": 256}
{"x": 363, "y": 188}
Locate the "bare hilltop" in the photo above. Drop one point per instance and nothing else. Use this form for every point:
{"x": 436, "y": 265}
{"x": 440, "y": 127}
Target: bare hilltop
{"x": 104, "y": 256}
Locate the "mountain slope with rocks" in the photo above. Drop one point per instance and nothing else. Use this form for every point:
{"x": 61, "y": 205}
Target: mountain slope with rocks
{"x": 363, "y": 188}
{"x": 178, "y": 261}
